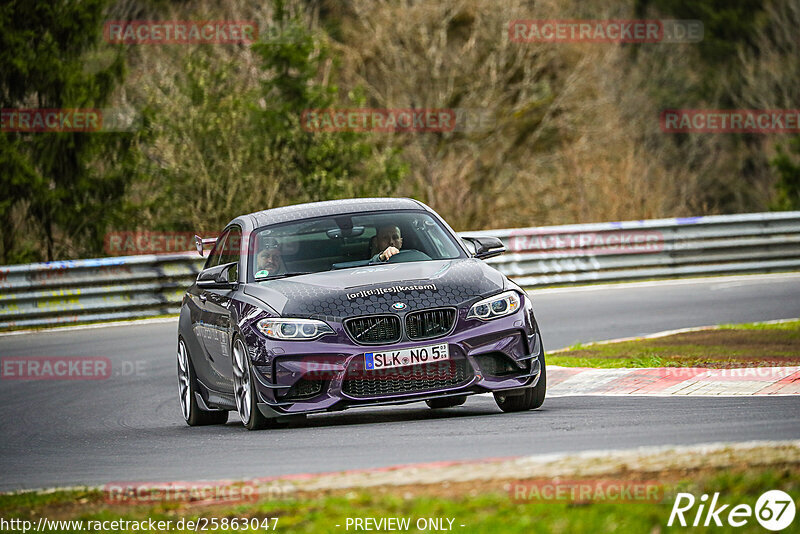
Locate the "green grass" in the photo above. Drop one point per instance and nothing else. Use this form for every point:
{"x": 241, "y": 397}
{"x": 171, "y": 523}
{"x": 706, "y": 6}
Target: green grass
{"x": 730, "y": 345}
{"x": 480, "y": 511}
{"x": 791, "y": 326}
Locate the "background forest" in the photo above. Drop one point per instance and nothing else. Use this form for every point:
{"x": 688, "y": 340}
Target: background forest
{"x": 568, "y": 132}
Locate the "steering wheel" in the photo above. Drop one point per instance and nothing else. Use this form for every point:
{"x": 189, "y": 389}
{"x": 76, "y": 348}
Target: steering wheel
{"x": 408, "y": 255}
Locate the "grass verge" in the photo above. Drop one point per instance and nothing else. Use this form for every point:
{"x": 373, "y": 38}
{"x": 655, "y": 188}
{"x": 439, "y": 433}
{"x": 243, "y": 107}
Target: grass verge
{"x": 726, "y": 346}
{"x": 480, "y": 506}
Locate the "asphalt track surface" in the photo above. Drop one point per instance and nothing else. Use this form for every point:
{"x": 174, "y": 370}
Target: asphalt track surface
{"x": 129, "y": 427}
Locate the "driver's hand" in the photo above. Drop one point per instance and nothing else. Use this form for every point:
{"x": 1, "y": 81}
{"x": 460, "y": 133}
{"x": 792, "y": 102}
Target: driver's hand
{"x": 388, "y": 253}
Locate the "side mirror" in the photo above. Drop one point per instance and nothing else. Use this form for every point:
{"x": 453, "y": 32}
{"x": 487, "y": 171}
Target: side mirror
{"x": 200, "y": 242}
{"x": 219, "y": 277}
{"x": 484, "y": 247}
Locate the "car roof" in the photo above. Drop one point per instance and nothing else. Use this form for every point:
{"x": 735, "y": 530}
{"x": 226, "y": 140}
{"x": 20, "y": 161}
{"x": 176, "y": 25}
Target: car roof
{"x": 326, "y": 208}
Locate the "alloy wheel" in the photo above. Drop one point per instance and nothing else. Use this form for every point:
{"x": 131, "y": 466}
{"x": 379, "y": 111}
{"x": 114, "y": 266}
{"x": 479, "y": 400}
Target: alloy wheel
{"x": 241, "y": 380}
{"x": 184, "y": 386}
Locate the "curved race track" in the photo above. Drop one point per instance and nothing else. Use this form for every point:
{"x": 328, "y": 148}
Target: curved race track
{"x": 129, "y": 426}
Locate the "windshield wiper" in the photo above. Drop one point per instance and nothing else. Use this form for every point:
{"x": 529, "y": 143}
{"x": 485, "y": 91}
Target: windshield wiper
{"x": 283, "y": 275}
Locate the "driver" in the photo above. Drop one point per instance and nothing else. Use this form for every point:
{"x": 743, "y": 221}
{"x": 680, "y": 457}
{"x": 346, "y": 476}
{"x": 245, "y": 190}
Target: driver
{"x": 389, "y": 241}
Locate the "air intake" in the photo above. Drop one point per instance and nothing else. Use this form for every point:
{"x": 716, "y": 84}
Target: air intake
{"x": 374, "y": 330}
{"x": 428, "y": 324}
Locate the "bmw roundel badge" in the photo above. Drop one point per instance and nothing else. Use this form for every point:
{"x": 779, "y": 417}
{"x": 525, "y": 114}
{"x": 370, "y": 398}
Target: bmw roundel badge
{"x": 399, "y": 306}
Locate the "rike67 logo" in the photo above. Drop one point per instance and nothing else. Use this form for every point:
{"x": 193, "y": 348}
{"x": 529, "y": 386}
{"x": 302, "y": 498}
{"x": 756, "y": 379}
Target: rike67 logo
{"x": 774, "y": 510}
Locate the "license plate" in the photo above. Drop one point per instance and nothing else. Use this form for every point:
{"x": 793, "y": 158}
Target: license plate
{"x": 400, "y": 358}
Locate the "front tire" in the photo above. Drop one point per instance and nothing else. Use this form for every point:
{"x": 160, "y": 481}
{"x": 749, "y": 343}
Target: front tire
{"x": 244, "y": 390}
{"x": 187, "y": 388}
{"x": 530, "y": 399}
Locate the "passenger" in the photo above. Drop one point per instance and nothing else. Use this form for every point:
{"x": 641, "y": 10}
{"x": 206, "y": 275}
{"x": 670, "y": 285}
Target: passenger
{"x": 269, "y": 262}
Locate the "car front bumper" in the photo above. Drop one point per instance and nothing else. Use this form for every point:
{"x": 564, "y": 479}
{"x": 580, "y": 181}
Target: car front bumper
{"x": 311, "y": 377}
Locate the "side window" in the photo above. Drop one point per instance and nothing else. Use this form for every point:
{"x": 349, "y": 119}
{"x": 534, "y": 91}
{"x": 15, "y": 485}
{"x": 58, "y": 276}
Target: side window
{"x": 231, "y": 252}
{"x": 216, "y": 253}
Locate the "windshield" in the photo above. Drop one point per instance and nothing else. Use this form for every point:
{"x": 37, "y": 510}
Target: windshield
{"x": 345, "y": 241}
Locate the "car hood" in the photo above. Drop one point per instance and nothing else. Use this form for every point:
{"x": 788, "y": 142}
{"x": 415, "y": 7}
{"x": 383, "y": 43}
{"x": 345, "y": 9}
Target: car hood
{"x": 375, "y": 288}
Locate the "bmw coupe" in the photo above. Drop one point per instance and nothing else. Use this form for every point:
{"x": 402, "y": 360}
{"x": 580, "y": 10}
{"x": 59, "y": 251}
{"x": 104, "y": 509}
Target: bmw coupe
{"x": 324, "y": 306}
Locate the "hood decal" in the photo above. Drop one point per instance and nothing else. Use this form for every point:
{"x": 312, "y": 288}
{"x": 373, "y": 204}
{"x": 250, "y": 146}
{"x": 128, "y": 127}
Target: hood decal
{"x": 393, "y": 289}
{"x": 337, "y": 295}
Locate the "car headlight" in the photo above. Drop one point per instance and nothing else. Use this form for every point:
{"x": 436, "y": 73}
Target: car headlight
{"x": 496, "y": 306}
{"x": 293, "y": 329}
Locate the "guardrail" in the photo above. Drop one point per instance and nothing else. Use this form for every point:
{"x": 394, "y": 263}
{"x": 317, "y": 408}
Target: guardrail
{"x": 105, "y": 289}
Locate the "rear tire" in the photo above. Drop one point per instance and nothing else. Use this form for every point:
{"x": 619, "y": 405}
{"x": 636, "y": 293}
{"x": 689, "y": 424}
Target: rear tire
{"x": 187, "y": 389}
{"x": 530, "y": 399}
{"x": 447, "y": 402}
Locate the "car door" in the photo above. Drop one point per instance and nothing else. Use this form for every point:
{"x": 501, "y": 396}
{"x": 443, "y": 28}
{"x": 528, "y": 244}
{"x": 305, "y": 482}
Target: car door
{"x": 219, "y": 316}
{"x": 203, "y": 329}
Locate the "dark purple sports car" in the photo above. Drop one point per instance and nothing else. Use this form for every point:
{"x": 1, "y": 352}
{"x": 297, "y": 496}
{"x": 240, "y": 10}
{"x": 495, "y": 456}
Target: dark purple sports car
{"x": 324, "y": 306}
